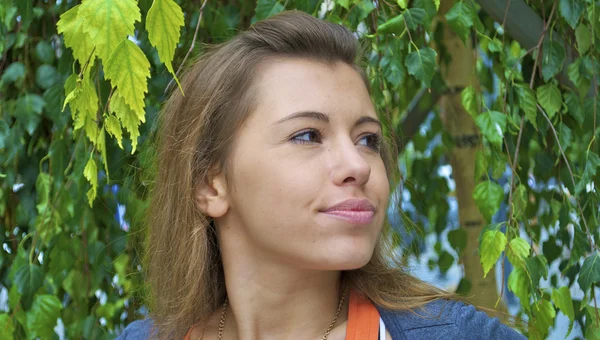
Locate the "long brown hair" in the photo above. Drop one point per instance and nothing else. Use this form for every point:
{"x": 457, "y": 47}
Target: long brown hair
{"x": 185, "y": 273}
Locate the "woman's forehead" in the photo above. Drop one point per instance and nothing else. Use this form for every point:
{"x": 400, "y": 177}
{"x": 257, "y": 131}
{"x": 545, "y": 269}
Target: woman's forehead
{"x": 294, "y": 85}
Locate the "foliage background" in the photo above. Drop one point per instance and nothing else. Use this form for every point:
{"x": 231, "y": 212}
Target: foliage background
{"x": 496, "y": 118}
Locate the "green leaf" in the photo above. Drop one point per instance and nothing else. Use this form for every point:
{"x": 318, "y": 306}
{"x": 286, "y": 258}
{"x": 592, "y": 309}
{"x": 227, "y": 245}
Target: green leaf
{"x": 267, "y": 8}
{"x": 81, "y": 96}
{"x": 129, "y": 119}
{"x": 492, "y": 243}
{"x": 458, "y": 239}
{"x": 4, "y": 133}
{"x": 402, "y": 3}
{"x": 519, "y": 203}
{"x": 394, "y": 25}
{"x": 28, "y": 279}
{"x": 14, "y": 71}
{"x": 42, "y": 317}
{"x": 493, "y": 126}
{"x": 28, "y": 110}
{"x": 550, "y": 98}
{"x": 421, "y": 64}
{"x": 584, "y": 38}
{"x": 414, "y": 17}
{"x": 7, "y": 328}
{"x": 72, "y": 285}
{"x": 44, "y": 52}
{"x": 591, "y": 166}
{"x": 470, "y": 101}
{"x": 590, "y": 272}
{"x": 574, "y": 107}
{"x": 42, "y": 188}
{"x": 46, "y": 76}
{"x": 71, "y": 25}
{"x": 108, "y": 23}
{"x": 571, "y": 10}
{"x": 113, "y": 127}
{"x": 544, "y": 314}
{"x": 528, "y": 104}
{"x": 518, "y": 250}
{"x": 460, "y": 19}
{"x": 518, "y": 284}
{"x": 163, "y": 22}
{"x": 488, "y": 196}
{"x": 127, "y": 70}
{"x": 553, "y": 57}
{"x": 91, "y": 174}
{"x": 562, "y": 300}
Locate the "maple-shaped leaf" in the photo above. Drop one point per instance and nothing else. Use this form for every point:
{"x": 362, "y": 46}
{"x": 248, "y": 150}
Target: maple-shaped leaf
{"x": 127, "y": 70}
{"x": 163, "y": 23}
{"x": 108, "y": 23}
{"x": 71, "y": 26}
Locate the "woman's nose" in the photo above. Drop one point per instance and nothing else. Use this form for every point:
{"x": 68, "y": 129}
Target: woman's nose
{"x": 349, "y": 165}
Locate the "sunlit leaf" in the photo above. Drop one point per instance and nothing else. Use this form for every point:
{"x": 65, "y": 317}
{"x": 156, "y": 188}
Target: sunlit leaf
{"x": 488, "y": 196}
{"x": 492, "y": 125}
{"x": 108, "y": 23}
{"x": 517, "y": 250}
{"x": 128, "y": 69}
{"x": 493, "y": 242}
{"x": 163, "y": 23}
{"x": 71, "y": 25}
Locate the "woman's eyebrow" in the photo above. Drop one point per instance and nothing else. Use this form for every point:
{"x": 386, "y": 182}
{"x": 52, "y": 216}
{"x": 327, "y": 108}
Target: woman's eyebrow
{"x": 305, "y": 114}
{"x": 366, "y": 120}
{"x": 325, "y": 118}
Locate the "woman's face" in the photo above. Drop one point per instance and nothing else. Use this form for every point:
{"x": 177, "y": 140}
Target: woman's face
{"x": 308, "y": 186}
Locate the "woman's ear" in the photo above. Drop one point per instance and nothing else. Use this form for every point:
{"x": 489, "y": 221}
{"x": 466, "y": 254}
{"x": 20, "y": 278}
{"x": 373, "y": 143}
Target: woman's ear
{"x": 211, "y": 196}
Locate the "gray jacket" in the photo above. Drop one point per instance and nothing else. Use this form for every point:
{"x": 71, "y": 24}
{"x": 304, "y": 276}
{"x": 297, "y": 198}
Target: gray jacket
{"x": 440, "y": 319}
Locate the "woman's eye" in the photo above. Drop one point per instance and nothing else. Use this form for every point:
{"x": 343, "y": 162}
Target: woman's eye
{"x": 372, "y": 141}
{"x": 307, "y": 136}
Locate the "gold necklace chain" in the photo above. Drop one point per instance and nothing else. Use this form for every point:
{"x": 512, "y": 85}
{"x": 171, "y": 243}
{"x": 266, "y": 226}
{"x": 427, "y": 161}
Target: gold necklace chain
{"x": 324, "y": 337}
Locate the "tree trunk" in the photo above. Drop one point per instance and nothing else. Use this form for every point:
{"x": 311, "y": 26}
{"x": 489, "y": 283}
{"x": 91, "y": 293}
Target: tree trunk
{"x": 459, "y": 73}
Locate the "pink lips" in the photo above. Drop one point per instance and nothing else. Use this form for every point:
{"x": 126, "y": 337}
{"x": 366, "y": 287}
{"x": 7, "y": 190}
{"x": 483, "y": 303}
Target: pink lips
{"x": 356, "y": 211}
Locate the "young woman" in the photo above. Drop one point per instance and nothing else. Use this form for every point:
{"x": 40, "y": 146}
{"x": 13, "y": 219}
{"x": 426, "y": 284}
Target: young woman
{"x": 267, "y": 212}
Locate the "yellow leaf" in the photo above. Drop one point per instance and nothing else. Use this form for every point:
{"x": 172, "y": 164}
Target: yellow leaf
{"x": 91, "y": 174}
{"x": 127, "y": 70}
{"x": 83, "y": 101}
{"x": 113, "y": 127}
{"x": 163, "y": 23}
{"x": 129, "y": 120}
{"x": 71, "y": 26}
{"x": 108, "y": 23}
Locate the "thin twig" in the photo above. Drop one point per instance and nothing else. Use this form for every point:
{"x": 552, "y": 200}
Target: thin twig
{"x": 200, "y": 12}
{"x": 505, "y": 15}
{"x": 562, "y": 152}
{"x": 531, "y": 80}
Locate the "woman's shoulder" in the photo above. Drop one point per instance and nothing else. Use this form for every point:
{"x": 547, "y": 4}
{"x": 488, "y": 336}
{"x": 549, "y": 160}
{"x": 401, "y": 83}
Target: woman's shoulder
{"x": 137, "y": 330}
{"x": 445, "y": 319}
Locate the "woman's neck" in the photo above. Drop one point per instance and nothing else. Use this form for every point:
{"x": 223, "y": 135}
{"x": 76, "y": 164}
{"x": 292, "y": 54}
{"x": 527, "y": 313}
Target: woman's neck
{"x": 273, "y": 300}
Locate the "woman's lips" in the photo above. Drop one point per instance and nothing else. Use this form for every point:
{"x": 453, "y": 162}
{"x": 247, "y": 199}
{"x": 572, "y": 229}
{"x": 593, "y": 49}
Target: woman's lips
{"x": 355, "y": 217}
{"x": 355, "y": 211}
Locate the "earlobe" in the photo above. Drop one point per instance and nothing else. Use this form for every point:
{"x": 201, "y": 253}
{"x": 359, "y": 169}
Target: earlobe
{"x": 211, "y": 197}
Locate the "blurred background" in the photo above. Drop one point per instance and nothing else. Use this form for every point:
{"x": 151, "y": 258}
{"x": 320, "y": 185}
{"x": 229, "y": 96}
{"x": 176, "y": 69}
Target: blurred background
{"x": 493, "y": 106}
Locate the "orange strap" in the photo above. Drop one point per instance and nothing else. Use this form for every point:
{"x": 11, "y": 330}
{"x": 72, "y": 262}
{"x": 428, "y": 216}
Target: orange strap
{"x": 363, "y": 318}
